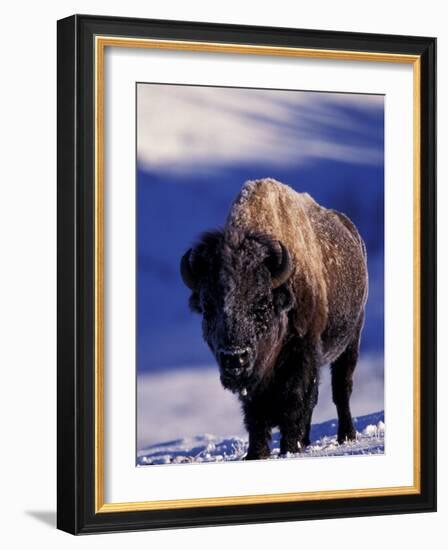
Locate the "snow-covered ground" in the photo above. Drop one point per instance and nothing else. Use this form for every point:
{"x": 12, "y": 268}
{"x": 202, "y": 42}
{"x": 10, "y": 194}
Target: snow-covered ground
{"x": 211, "y": 448}
{"x": 181, "y": 403}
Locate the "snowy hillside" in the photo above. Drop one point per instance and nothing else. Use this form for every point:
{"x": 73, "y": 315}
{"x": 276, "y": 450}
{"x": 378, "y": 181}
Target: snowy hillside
{"x": 209, "y": 448}
{"x": 182, "y": 403}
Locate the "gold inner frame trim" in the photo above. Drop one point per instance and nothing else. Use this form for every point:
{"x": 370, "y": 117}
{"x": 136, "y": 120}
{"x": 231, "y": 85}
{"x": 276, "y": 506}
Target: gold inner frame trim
{"x": 101, "y": 42}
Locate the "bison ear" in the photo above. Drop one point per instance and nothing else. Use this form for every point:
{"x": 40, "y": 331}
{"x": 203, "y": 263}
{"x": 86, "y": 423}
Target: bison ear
{"x": 195, "y": 303}
{"x": 190, "y": 279}
{"x": 196, "y": 261}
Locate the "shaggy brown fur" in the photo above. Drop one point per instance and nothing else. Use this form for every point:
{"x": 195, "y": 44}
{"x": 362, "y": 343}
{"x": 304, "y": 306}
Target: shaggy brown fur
{"x": 327, "y": 251}
{"x": 282, "y": 291}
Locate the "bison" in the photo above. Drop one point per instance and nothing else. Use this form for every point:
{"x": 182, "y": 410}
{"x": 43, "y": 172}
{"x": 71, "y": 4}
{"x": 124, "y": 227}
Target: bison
{"x": 282, "y": 290}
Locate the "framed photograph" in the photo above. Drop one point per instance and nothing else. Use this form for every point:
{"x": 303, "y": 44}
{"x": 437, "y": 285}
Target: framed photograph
{"x": 246, "y": 274}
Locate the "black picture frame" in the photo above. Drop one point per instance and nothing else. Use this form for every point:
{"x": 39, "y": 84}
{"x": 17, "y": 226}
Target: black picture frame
{"x": 76, "y": 512}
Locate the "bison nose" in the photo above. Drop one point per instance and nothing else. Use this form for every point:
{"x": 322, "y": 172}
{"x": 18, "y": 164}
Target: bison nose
{"x": 234, "y": 361}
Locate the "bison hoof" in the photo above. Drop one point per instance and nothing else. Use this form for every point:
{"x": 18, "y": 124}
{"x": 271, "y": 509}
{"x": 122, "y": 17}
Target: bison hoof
{"x": 257, "y": 455}
{"x": 292, "y": 447}
{"x": 306, "y": 442}
{"x": 346, "y": 435}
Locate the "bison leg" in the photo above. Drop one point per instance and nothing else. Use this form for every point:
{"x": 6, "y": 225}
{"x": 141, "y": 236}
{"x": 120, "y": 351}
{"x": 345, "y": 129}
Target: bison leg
{"x": 312, "y": 404}
{"x": 259, "y": 429}
{"x": 296, "y": 418}
{"x": 259, "y": 436}
{"x": 342, "y": 385}
{"x": 299, "y": 396}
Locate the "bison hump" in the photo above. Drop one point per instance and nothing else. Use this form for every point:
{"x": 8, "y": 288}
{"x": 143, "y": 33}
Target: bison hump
{"x": 272, "y": 208}
{"x": 267, "y": 205}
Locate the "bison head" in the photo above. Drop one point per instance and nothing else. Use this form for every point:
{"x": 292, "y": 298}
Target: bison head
{"x": 239, "y": 284}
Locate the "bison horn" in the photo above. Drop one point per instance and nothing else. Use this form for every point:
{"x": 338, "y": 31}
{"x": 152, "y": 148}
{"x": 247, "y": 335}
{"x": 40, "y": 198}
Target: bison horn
{"x": 282, "y": 271}
{"x": 186, "y": 271}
